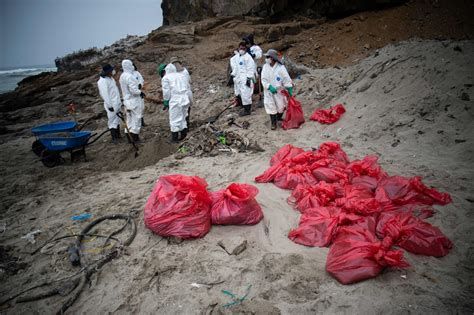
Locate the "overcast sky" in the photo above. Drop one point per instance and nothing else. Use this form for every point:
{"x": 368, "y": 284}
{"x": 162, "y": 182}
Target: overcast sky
{"x": 35, "y": 32}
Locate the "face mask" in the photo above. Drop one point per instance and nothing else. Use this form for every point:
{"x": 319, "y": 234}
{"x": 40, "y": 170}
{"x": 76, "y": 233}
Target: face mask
{"x": 242, "y": 52}
{"x": 268, "y": 61}
{"x": 113, "y": 72}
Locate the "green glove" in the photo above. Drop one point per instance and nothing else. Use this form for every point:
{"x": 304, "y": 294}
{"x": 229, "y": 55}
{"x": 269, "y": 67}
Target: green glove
{"x": 290, "y": 90}
{"x": 166, "y": 104}
{"x": 272, "y": 89}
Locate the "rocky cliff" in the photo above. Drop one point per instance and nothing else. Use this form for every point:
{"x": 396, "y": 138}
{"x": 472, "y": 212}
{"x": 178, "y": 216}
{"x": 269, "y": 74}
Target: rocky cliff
{"x": 181, "y": 11}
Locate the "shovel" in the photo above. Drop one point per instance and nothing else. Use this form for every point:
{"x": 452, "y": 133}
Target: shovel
{"x": 120, "y": 115}
{"x": 213, "y": 119}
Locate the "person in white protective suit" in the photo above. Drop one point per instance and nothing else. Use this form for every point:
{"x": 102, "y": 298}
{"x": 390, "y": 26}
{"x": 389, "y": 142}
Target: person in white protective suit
{"x": 244, "y": 78}
{"x": 109, "y": 92}
{"x": 234, "y": 60}
{"x": 141, "y": 86}
{"x": 177, "y": 62}
{"x": 274, "y": 78}
{"x": 176, "y": 99}
{"x": 132, "y": 99}
{"x": 256, "y": 52}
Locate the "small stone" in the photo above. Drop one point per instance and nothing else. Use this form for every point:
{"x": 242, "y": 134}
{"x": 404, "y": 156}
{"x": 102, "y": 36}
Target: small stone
{"x": 233, "y": 246}
{"x": 465, "y": 97}
{"x": 366, "y": 46}
{"x": 457, "y": 48}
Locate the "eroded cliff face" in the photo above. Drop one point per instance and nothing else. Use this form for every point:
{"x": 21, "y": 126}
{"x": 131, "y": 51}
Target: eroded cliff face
{"x": 181, "y": 11}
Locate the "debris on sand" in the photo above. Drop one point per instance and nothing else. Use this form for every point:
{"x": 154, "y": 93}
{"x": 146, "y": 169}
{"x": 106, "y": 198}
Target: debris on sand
{"x": 210, "y": 141}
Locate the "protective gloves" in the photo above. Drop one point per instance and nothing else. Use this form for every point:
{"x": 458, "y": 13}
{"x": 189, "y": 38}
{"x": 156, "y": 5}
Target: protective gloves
{"x": 142, "y": 95}
{"x": 290, "y": 90}
{"x": 248, "y": 83}
{"x": 166, "y": 104}
{"x": 111, "y": 109}
{"x": 272, "y": 89}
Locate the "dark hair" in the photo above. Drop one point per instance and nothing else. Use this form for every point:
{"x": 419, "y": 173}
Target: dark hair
{"x": 243, "y": 44}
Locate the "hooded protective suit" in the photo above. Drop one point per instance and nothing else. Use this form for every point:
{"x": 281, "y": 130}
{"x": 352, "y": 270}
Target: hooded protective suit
{"x": 141, "y": 81}
{"x": 233, "y": 66}
{"x": 131, "y": 96}
{"x": 175, "y": 90}
{"x": 278, "y": 77}
{"x": 109, "y": 92}
{"x": 244, "y": 68}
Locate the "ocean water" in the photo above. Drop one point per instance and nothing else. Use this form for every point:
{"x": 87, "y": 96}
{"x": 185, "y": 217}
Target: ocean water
{"x": 9, "y": 78}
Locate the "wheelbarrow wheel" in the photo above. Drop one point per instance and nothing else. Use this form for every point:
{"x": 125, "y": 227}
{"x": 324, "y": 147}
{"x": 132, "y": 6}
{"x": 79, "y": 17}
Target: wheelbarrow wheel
{"x": 50, "y": 159}
{"x": 37, "y": 147}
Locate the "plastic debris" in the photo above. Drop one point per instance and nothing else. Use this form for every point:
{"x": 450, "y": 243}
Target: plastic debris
{"x": 81, "y": 217}
{"x": 30, "y": 237}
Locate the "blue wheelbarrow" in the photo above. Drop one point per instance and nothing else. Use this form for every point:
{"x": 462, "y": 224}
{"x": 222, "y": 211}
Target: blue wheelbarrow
{"x": 60, "y": 126}
{"x": 74, "y": 142}
{"x": 52, "y": 139}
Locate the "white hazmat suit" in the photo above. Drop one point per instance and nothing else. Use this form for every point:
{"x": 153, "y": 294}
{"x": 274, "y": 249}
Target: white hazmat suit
{"x": 233, "y": 66}
{"x": 176, "y": 90}
{"x": 244, "y": 68}
{"x": 131, "y": 96}
{"x": 278, "y": 77}
{"x": 141, "y": 81}
{"x": 109, "y": 92}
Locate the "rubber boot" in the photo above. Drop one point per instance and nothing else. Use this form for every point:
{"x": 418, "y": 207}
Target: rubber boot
{"x": 239, "y": 100}
{"x": 113, "y": 134}
{"x": 174, "y": 137}
{"x": 273, "y": 119}
{"x": 187, "y": 117}
{"x": 246, "y": 111}
{"x": 183, "y": 134}
{"x": 143, "y": 122}
{"x": 280, "y": 116}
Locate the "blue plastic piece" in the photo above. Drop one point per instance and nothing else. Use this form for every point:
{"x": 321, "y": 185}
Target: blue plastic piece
{"x": 81, "y": 217}
{"x": 60, "y": 126}
{"x": 65, "y": 140}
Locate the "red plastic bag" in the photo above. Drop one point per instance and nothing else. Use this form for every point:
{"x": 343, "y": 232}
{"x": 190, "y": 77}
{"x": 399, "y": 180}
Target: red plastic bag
{"x": 330, "y": 115}
{"x": 397, "y": 190}
{"x": 294, "y": 116}
{"x": 367, "y": 166}
{"x": 179, "y": 206}
{"x": 286, "y": 151}
{"x": 311, "y": 196}
{"x": 318, "y": 226}
{"x": 332, "y": 150}
{"x": 236, "y": 205}
{"x": 356, "y": 255}
{"x": 330, "y": 175}
{"x": 291, "y": 176}
{"x": 413, "y": 234}
{"x": 360, "y": 200}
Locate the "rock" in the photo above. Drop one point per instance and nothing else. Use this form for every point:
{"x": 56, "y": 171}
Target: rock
{"x": 179, "y": 35}
{"x": 363, "y": 87}
{"x": 182, "y": 11}
{"x": 233, "y": 246}
{"x": 465, "y": 97}
{"x": 367, "y": 46}
{"x": 457, "y": 48}
{"x": 274, "y": 33}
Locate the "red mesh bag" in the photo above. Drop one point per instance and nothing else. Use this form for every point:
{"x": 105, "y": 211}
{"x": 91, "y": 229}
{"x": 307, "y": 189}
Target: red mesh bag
{"x": 236, "y": 205}
{"x": 179, "y": 206}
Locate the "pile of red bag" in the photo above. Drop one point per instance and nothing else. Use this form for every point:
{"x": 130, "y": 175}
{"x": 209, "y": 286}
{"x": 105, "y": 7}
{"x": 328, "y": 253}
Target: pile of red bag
{"x": 181, "y": 206}
{"x": 357, "y": 209}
